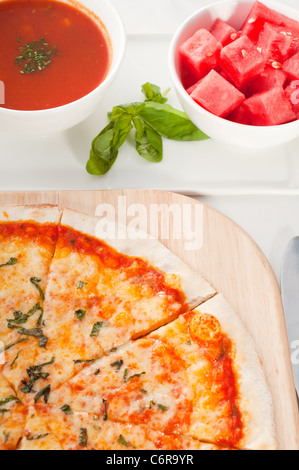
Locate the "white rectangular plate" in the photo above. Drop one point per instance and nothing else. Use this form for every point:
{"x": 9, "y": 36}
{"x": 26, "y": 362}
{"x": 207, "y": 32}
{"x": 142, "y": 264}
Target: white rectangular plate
{"x": 200, "y": 168}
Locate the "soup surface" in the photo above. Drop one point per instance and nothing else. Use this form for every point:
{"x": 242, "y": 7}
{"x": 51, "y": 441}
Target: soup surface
{"x": 51, "y": 53}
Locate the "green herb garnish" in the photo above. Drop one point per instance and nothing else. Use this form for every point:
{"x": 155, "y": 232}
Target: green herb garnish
{"x": 35, "y": 281}
{"x": 10, "y": 262}
{"x": 121, "y": 440}
{"x": 21, "y": 318}
{"x": 96, "y": 328}
{"x": 8, "y": 399}
{"x": 152, "y": 120}
{"x": 105, "y": 417}
{"x": 126, "y": 378}
{"x": 83, "y": 437}
{"x": 81, "y": 284}
{"x": 118, "y": 364}
{"x": 158, "y": 405}
{"x": 15, "y": 359}
{"x": 35, "y": 332}
{"x": 66, "y": 409}
{"x": 35, "y": 373}
{"x": 84, "y": 361}
{"x": 80, "y": 313}
{"x": 45, "y": 392}
{"x": 35, "y": 56}
{"x": 38, "y": 436}
{"x": 2, "y": 350}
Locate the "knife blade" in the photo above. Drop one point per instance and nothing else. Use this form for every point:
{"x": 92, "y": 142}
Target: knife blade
{"x": 290, "y": 299}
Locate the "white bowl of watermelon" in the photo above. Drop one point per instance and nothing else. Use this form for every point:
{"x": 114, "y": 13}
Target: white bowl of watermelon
{"x": 235, "y": 68}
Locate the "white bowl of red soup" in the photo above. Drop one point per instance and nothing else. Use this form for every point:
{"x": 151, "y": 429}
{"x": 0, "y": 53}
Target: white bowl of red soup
{"x": 57, "y": 60}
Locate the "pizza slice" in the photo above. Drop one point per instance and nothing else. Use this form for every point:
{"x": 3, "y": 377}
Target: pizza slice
{"x": 27, "y": 241}
{"x": 52, "y": 428}
{"x": 12, "y": 416}
{"x": 98, "y": 298}
{"x": 198, "y": 376}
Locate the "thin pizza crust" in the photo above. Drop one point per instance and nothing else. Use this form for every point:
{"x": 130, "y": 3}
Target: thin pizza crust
{"x": 194, "y": 286}
{"x": 42, "y": 214}
{"x": 255, "y": 401}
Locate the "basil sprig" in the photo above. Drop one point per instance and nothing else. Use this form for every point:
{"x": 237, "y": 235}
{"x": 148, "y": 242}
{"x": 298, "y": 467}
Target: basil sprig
{"x": 152, "y": 119}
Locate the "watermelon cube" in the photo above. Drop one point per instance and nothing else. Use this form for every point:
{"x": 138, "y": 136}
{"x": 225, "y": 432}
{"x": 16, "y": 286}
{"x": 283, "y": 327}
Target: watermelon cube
{"x": 291, "y": 67}
{"x": 277, "y": 43}
{"x": 271, "y": 77}
{"x": 223, "y": 32}
{"x": 241, "y": 61}
{"x": 269, "y": 108}
{"x": 257, "y": 17}
{"x": 192, "y": 87}
{"x": 217, "y": 95}
{"x": 292, "y": 92}
{"x": 200, "y": 53}
{"x": 240, "y": 115}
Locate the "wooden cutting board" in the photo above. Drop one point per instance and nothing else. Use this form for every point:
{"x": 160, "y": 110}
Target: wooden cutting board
{"x": 229, "y": 259}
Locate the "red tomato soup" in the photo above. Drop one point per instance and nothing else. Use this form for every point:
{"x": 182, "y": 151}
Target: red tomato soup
{"x": 51, "y": 53}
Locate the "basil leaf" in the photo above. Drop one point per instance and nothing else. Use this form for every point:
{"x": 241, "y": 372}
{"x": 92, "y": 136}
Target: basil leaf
{"x": 170, "y": 122}
{"x": 81, "y": 284}
{"x": 8, "y": 399}
{"x": 125, "y": 110}
{"x": 153, "y": 119}
{"x": 105, "y": 146}
{"x": 121, "y": 440}
{"x": 84, "y": 361}
{"x": 158, "y": 405}
{"x": 38, "y": 436}
{"x": 35, "y": 281}
{"x": 80, "y": 313}
{"x": 102, "y": 156}
{"x": 35, "y": 332}
{"x": 105, "y": 416}
{"x": 10, "y": 262}
{"x": 153, "y": 93}
{"x": 126, "y": 378}
{"x": 118, "y": 364}
{"x": 96, "y": 328}
{"x": 148, "y": 142}
{"x": 2, "y": 350}
{"x": 35, "y": 373}
{"x": 83, "y": 437}
{"x": 66, "y": 409}
{"x": 21, "y": 318}
{"x": 45, "y": 392}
